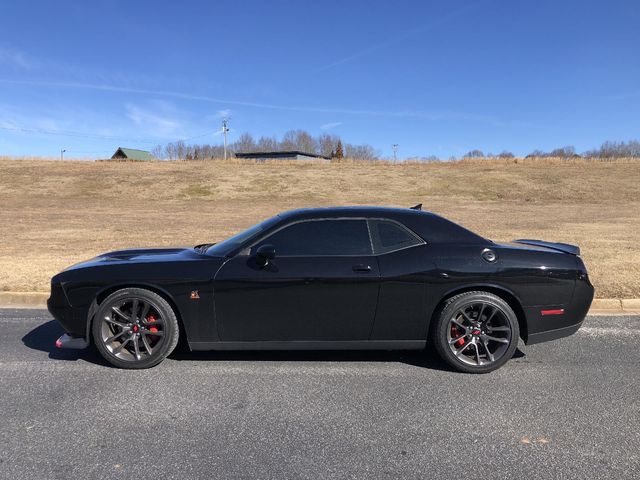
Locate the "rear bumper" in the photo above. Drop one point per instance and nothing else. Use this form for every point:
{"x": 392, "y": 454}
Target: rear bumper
{"x": 553, "y": 334}
{"x": 550, "y": 322}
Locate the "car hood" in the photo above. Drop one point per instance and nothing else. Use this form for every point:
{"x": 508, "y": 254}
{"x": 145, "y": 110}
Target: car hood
{"x": 142, "y": 255}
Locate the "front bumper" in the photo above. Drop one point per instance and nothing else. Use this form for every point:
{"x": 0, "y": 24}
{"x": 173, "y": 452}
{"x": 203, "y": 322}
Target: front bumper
{"x": 72, "y": 319}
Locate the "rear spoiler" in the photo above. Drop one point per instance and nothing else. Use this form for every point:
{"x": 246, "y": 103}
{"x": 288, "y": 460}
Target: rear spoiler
{"x": 561, "y": 247}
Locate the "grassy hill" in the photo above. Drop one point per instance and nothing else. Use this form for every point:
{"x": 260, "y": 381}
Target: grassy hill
{"x": 54, "y": 214}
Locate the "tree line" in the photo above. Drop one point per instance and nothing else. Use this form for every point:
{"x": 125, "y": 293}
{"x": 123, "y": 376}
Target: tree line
{"x": 608, "y": 149}
{"x": 327, "y": 145}
{"x": 332, "y": 146}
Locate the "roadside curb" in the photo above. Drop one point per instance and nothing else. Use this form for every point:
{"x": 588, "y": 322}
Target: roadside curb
{"x": 600, "y": 306}
{"x": 615, "y": 305}
{"x": 23, "y": 299}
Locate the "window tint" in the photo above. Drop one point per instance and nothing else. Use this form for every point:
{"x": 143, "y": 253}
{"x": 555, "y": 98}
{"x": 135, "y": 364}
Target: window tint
{"x": 321, "y": 237}
{"x": 228, "y": 245}
{"x": 390, "y": 236}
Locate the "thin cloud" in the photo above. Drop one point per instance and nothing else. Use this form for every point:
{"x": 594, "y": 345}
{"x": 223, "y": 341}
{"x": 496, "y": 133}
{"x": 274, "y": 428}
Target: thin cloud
{"x": 624, "y": 96}
{"x": 13, "y": 57}
{"x": 429, "y": 116}
{"x": 79, "y": 126}
{"x": 149, "y": 124}
{"x": 330, "y": 125}
{"x": 145, "y": 118}
{"x": 218, "y": 116}
{"x": 400, "y": 38}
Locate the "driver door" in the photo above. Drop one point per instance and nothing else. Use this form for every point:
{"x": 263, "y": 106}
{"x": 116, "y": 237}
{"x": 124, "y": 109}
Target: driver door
{"x": 322, "y": 285}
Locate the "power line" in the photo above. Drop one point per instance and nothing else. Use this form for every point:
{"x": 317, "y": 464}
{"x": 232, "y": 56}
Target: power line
{"x": 70, "y": 133}
{"x": 206, "y": 134}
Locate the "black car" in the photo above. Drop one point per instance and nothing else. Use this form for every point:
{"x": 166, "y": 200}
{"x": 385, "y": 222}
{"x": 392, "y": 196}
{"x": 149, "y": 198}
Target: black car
{"x": 328, "y": 278}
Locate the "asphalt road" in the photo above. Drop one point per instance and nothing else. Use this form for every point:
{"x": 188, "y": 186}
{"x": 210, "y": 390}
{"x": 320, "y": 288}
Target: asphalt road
{"x": 565, "y": 409}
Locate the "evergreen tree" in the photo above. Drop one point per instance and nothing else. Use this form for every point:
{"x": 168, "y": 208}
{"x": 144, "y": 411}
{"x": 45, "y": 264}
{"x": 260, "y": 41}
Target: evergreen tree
{"x": 339, "y": 150}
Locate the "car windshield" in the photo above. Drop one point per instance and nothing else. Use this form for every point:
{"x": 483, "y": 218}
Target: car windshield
{"x": 226, "y": 246}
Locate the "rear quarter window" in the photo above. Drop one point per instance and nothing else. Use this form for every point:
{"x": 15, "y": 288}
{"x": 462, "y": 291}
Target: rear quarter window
{"x": 389, "y": 236}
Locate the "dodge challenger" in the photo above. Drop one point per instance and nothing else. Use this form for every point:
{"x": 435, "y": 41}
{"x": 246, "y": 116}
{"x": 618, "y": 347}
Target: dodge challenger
{"x": 328, "y": 278}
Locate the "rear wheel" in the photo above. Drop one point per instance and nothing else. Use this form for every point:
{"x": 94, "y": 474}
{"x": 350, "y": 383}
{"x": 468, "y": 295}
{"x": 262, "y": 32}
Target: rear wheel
{"x": 476, "y": 332}
{"x": 135, "y": 328}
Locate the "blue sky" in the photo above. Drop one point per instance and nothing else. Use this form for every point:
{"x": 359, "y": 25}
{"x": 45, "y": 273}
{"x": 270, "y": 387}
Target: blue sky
{"x": 437, "y": 78}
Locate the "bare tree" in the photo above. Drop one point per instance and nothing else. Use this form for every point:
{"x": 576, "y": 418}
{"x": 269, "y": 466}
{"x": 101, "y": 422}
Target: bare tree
{"x": 305, "y": 142}
{"x": 175, "y": 150}
{"x": 564, "y": 152}
{"x": 327, "y": 144}
{"x": 289, "y": 140}
{"x": 616, "y": 149}
{"x": 360, "y": 152}
{"x": 474, "y": 154}
{"x": 159, "y": 151}
{"x": 267, "y": 144}
{"x": 536, "y": 153}
{"x": 180, "y": 149}
{"x": 245, "y": 143}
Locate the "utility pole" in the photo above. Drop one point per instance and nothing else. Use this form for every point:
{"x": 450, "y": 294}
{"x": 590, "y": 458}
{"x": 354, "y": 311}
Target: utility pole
{"x": 395, "y": 151}
{"x": 62, "y": 154}
{"x": 225, "y": 129}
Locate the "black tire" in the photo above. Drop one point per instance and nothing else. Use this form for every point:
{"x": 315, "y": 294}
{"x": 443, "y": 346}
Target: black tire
{"x": 495, "y": 332}
{"x": 149, "y": 336}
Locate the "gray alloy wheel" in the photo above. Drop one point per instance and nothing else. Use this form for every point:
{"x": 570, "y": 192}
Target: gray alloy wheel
{"x": 476, "y": 332}
{"x": 135, "y": 328}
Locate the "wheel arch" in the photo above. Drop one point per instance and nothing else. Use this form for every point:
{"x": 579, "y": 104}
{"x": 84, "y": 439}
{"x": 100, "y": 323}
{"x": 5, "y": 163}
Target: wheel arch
{"x": 502, "y": 292}
{"x": 108, "y": 290}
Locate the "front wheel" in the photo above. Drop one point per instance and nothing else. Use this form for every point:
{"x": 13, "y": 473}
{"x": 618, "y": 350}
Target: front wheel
{"x": 476, "y": 332}
{"x": 135, "y": 328}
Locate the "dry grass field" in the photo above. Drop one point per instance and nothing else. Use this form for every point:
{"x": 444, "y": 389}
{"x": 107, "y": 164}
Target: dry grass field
{"x": 53, "y": 213}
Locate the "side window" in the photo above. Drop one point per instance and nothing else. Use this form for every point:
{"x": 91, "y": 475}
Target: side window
{"x": 322, "y": 238}
{"x": 389, "y": 236}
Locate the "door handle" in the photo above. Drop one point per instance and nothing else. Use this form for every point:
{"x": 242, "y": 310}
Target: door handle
{"x": 361, "y": 268}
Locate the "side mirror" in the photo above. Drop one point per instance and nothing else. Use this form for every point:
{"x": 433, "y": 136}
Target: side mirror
{"x": 264, "y": 253}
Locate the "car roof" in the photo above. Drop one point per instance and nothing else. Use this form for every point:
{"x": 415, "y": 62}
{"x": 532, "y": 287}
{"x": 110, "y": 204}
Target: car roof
{"x": 352, "y": 211}
{"x": 431, "y": 227}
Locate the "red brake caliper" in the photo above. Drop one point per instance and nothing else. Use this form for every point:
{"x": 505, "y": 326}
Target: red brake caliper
{"x": 454, "y": 334}
{"x": 152, "y": 319}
